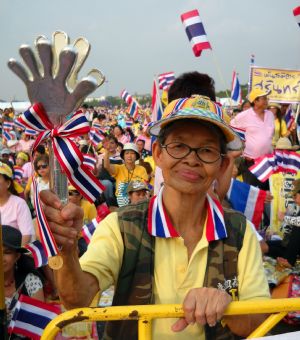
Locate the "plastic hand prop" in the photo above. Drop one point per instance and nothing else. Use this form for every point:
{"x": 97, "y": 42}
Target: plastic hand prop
{"x": 52, "y": 77}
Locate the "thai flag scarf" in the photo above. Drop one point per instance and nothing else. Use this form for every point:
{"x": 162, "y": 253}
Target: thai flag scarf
{"x": 159, "y": 224}
{"x": 69, "y": 157}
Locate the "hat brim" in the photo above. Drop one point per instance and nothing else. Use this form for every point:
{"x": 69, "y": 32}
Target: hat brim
{"x": 20, "y": 250}
{"x": 123, "y": 151}
{"x": 233, "y": 140}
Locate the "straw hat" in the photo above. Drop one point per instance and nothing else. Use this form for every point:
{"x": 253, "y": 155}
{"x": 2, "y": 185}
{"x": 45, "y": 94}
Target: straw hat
{"x": 284, "y": 143}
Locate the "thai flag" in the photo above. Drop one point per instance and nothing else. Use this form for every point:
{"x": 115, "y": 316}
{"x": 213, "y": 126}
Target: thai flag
{"x": 247, "y": 199}
{"x": 89, "y": 229}
{"x": 89, "y": 161}
{"x": 296, "y": 12}
{"x": 263, "y": 167}
{"x": 18, "y": 173}
{"x": 156, "y": 104}
{"x": 38, "y": 252}
{"x": 241, "y": 132}
{"x": 19, "y": 124}
{"x": 31, "y": 317}
{"x": 236, "y": 90}
{"x": 195, "y": 31}
{"x": 215, "y": 225}
{"x": 126, "y": 97}
{"x": 7, "y": 135}
{"x": 289, "y": 117}
{"x": 95, "y": 137}
{"x": 219, "y": 110}
{"x": 252, "y": 59}
{"x": 7, "y": 125}
{"x": 134, "y": 109}
{"x": 165, "y": 80}
{"x": 129, "y": 123}
{"x": 31, "y": 132}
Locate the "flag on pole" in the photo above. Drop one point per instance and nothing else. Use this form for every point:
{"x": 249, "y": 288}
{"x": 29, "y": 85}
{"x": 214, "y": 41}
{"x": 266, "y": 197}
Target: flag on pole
{"x": 252, "y": 59}
{"x": 165, "y": 80}
{"x": 195, "y": 32}
{"x": 95, "y": 137}
{"x": 7, "y": 135}
{"x": 38, "y": 252}
{"x": 18, "y": 172}
{"x": 126, "y": 97}
{"x": 236, "y": 90}
{"x": 134, "y": 109}
{"x": 89, "y": 229}
{"x": 296, "y": 12}
{"x": 8, "y": 125}
{"x": 89, "y": 160}
{"x": 247, "y": 199}
{"x": 289, "y": 117}
{"x": 31, "y": 317}
{"x": 156, "y": 103}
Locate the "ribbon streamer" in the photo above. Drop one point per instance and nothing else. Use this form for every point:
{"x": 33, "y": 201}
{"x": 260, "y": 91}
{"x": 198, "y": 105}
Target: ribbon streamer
{"x": 69, "y": 158}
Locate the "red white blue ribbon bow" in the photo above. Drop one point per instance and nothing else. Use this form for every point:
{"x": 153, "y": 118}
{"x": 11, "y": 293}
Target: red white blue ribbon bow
{"x": 69, "y": 157}
{"x": 159, "y": 223}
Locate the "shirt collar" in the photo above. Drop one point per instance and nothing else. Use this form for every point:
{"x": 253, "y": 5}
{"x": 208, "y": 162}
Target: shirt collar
{"x": 159, "y": 223}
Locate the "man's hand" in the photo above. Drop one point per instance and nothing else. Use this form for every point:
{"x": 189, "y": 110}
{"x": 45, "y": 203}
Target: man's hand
{"x": 202, "y": 305}
{"x": 64, "y": 221}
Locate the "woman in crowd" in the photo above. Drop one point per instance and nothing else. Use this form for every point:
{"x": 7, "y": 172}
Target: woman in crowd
{"x": 119, "y": 133}
{"x": 126, "y": 172}
{"x": 280, "y": 125}
{"x": 20, "y": 276}
{"x": 13, "y": 209}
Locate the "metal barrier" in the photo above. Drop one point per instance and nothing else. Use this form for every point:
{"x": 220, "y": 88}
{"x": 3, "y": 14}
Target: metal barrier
{"x": 145, "y": 315}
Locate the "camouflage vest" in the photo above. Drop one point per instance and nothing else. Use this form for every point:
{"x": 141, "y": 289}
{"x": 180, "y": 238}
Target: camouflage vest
{"x": 135, "y": 282}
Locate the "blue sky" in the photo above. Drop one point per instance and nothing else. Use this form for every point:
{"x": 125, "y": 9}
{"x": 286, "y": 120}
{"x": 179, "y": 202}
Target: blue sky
{"x": 134, "y": 40}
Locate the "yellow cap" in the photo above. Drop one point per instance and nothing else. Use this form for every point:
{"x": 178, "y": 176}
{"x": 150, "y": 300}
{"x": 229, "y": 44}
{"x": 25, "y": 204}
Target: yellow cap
{"x": 5, "y": 170}
{"x": 23, "y": 156}
{"x": 255, "y": 93}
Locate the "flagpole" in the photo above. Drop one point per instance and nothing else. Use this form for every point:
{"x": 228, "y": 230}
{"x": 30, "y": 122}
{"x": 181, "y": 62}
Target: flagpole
{"x": 217, "y": 65}
{"x": 3, "y": 320}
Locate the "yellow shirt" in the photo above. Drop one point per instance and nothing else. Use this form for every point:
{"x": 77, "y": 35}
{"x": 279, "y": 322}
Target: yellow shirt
{"x": 284, "y": 130}
{"x": 89, "y": 211}
{"x": 174, "y": 275}
{"x": 123, "y": 177}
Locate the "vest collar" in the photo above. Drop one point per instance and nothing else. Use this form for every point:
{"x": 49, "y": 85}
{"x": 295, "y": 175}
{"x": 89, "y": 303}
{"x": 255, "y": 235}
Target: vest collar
{"x": 159, "y": 223}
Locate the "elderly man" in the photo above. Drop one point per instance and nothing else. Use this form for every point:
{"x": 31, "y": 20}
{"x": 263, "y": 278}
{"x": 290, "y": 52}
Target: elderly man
{"x": 178, "y": 248}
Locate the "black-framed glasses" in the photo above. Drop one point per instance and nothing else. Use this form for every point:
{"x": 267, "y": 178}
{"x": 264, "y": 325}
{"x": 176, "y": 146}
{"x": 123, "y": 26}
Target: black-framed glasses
{"x": 42, "y": 166}
{"x": 206, "y": 154}
{"x": 74, "y": 193}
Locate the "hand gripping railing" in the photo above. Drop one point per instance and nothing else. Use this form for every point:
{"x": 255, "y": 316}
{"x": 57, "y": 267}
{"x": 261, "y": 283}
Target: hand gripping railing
{"x": 146, "y": 313}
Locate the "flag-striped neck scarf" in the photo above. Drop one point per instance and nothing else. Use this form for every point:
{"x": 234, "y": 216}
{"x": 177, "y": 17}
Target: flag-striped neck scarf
{"x": 159, "y": 223}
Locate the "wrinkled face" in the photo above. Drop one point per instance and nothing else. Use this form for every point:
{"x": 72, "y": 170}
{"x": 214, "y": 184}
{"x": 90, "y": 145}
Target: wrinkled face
{"x": 189, "y": 175}
{"x": 129, "y": 157}
{"x": 10, "y": 257}
{"x": 137, "y": 196}
{"x": 261, "y": 103}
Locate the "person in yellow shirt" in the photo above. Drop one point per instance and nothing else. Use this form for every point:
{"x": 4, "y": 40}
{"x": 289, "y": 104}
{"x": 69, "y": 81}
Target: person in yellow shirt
{"x": 126, "y": 172}
{"x": 180, "y": 233}
{"x": 280, "y": 125}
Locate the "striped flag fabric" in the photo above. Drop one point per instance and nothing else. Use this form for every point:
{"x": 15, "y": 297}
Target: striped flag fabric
{"x": 195, "y": 31}
{"x": 95, "y": 137}
{"x": 241, "y": 132}
{"x": 289, "y": 117}
{"x": 133, "y": 109}
{"x": 7, "y": 125}
{"x": 89, "y": 229}
{"x": 90, "y": 161}
{"x": 126, "y": 97}
{"x": 31, "y": 132}
{"x": 7, "y": 135}
{"x": 156, "y": 107}
{"x": 247, "y": 199}
{"x": 18, "y": 124}
{"x": 38, "y": 253}
{"x": 165, "y": 80}
{"x": 159, "y": 224}
{"x": 31, "y": 317}
{"x": 296, "y": 12}
{"x": 18, "y": 172}
{"x": 263, "y": 167}
{"x": 236, "y": 90}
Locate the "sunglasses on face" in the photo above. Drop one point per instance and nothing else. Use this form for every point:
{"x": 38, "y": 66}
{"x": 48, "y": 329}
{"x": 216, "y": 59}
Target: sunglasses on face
{"x": 42, "y": 166}
{"x": 74, "y": 193}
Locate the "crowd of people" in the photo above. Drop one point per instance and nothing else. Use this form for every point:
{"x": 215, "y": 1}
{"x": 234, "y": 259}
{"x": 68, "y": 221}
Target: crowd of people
{"x": 170, "y": 248}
